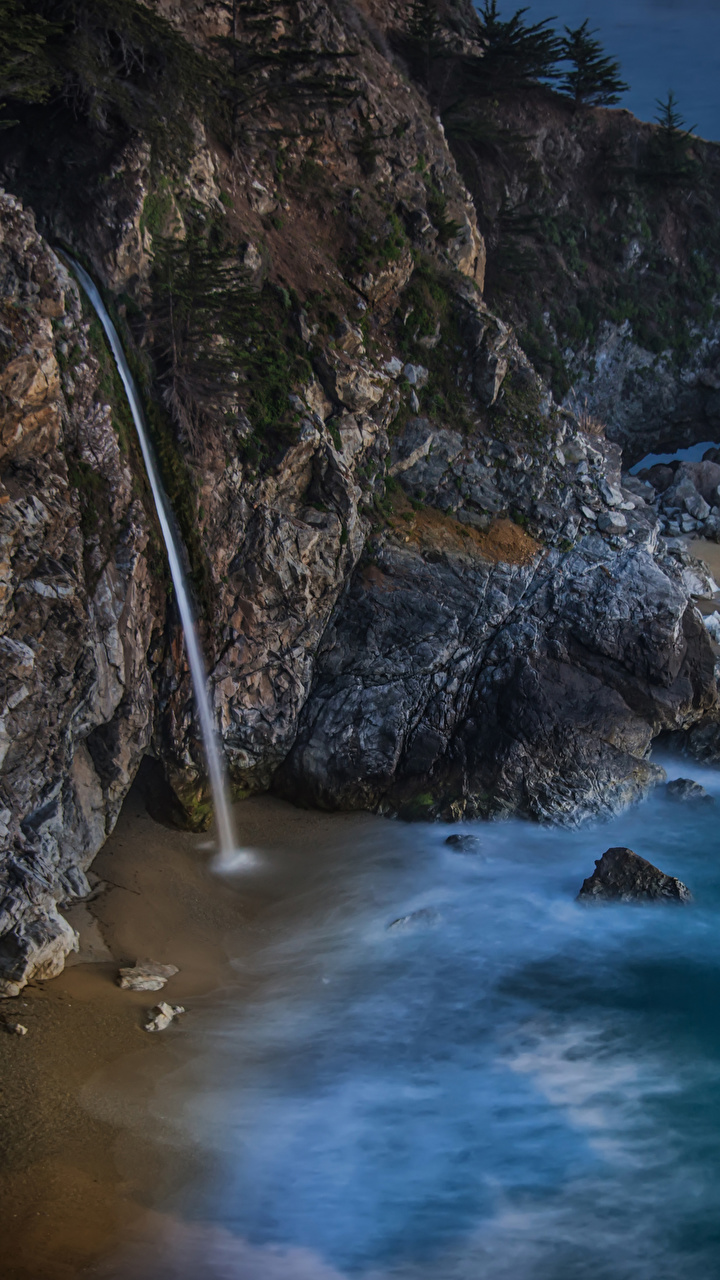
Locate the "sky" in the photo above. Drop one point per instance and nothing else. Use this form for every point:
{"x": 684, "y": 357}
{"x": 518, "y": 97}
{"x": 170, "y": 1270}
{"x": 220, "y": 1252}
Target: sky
{"x": 661, "y": 45}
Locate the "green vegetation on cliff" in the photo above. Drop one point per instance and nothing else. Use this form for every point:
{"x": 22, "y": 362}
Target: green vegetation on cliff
{"x": 220, "y": 345}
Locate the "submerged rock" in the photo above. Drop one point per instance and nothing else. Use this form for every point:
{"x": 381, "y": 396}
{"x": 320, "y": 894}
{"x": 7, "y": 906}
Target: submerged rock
{"x": 425, "y": 916}
{"x": 464, "y": 843}
{"x": 623, "y": 876}
{"x": 146, "y": 977}
{"x": 685, "y": 791}
{"x": 166, "y": 1013}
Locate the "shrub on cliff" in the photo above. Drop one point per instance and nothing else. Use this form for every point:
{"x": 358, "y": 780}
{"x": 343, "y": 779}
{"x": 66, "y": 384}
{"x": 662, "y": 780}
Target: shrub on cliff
{"x": 26, "y": 71}
{"x": 669, "y": 162}
{"x": 221, "y": 345}
{"x": 115, "y": 63}
{"x": 268, "y": 61}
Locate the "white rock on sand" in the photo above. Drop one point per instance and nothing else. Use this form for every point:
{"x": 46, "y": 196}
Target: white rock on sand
{"x": 149, "y": 976}
{"x": 164, "y": 1016}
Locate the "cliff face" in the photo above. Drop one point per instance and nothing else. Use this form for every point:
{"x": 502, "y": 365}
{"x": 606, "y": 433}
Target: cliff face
{"x": 78, "y": 605}
{"x": 425, "y": 587}
{"x": 606, "y": 257}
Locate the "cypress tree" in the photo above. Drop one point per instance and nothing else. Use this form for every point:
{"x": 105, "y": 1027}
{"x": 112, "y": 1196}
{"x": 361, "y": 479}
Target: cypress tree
{"x": 594, "y": 79}
{"x": 424, "y": 23}
{"x": 422, "y": 37}
{"x": 516, "y": 52}
{"x": 669, "y": 159}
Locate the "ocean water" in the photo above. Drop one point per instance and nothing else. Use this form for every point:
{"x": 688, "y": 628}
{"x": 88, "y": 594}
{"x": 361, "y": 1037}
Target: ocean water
{"x": 660, "y": 44}
{"x": 692, "y": 453}
{"x": 511, "y": 1086}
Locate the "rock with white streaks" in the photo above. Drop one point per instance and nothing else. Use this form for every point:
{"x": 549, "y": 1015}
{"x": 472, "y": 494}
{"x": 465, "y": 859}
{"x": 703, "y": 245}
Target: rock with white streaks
{"x": 163, "y": 1015}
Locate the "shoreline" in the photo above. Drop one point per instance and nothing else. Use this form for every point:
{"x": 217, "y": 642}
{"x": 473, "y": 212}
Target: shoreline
{"x": 76, "y": 1178}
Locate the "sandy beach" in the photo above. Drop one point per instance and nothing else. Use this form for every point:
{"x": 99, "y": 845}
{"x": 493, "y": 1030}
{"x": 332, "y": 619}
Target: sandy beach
{"x": 76, "y": 1179}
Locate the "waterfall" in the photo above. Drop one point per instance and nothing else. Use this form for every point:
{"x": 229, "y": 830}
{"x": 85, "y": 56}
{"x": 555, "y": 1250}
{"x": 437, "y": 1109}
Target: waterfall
{"x": 215, "y": 764}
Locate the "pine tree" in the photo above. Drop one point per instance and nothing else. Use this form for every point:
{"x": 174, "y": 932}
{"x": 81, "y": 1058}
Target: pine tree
{"x": 594, "y": 79}
{"x": 516, "y": 52}
{"x": 669, "y": 159}
{"x": 422, "y": 33}
{"x": 424, "y": 23}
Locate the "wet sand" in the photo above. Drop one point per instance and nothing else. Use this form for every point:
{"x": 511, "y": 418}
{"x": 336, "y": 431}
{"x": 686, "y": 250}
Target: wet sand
{"x": 76, "y": 1179}
{"x": 709, "y": 552}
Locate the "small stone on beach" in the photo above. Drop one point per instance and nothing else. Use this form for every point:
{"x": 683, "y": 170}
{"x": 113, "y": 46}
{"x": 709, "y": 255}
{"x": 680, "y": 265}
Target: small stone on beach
{"x": 16, "y": 1028}
{"x": 166, "y": 1013}
{"x": 149, "y": 976}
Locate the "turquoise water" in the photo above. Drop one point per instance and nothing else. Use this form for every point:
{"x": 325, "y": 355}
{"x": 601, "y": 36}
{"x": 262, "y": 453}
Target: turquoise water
{"x": 513, "y": 1087}
{"x": 660, "y": 44}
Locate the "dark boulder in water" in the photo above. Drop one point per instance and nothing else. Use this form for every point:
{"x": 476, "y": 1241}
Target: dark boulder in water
{"x": 623, "y": 876}
{"x": 685, "y": 791}
{"x": 464, "y": 843}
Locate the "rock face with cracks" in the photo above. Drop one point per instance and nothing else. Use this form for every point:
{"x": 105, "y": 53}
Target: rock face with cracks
{"x": 77, "y": 606}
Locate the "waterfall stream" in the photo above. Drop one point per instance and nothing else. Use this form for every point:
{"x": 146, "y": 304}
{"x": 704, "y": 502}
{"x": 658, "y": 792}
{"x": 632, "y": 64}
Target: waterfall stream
{"x": 216, "y": 770}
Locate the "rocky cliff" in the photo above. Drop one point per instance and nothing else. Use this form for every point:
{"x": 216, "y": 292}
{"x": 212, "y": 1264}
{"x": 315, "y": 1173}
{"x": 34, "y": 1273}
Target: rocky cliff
{"x": 426, "y": 585}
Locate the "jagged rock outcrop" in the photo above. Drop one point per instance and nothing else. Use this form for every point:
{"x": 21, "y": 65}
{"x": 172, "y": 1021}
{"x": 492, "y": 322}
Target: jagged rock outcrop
{"x": 77, "y": 610}
{"x": 424, "y": 586}
{"x": 623, "y": 876}
{"x": 451, "y": 686}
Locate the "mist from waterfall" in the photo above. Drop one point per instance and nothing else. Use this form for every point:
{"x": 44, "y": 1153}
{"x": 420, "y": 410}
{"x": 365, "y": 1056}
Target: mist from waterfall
{"x": 217, "y": 775}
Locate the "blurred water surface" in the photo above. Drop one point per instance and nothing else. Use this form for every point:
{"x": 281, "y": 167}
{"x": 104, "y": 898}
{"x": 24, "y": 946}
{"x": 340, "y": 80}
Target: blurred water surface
{"x": 509, "y": 1087}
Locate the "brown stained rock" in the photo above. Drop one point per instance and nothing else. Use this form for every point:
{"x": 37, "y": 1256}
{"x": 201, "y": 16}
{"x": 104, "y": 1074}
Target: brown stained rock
{"x": 378, "y": 285}
{"x": 623, "y": 876}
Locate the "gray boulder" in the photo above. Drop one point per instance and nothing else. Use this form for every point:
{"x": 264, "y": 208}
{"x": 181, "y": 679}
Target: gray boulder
{"x": 149, "y": 976}
{"x": 612, "y": 522}
{"x": 660, "y": 476}
{"x": 623, "y": 876}
{"x": 685, "y": 791}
